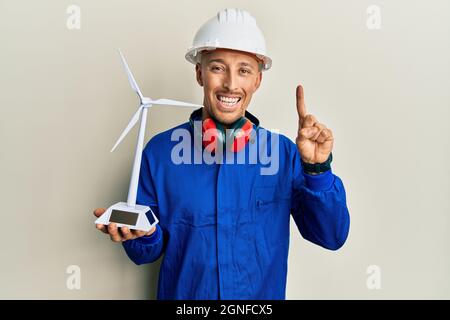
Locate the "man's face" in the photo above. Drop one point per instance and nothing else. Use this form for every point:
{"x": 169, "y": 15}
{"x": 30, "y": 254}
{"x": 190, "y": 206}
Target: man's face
{"x": 229, "y": 78}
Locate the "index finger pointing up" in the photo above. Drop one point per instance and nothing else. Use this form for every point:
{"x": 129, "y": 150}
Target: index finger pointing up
{"x": 301, "y": 108}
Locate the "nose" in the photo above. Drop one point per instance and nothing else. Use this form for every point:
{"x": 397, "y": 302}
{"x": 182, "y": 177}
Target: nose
{"x": 230, "y": 81}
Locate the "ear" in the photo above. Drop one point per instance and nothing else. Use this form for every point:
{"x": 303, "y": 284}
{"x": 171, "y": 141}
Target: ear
{"x": 258, "y": 80}
{"x": 198, "y": 73}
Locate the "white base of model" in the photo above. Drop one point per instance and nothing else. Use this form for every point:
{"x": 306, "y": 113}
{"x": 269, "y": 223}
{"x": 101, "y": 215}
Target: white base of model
{"x": 125, "y": 216}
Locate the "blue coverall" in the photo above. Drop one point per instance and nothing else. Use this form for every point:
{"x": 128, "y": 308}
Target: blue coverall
{"x": 224, "y": 228}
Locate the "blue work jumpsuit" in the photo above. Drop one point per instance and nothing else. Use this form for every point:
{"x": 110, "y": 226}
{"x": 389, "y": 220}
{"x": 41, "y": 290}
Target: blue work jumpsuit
{"x": 224, "y": 227}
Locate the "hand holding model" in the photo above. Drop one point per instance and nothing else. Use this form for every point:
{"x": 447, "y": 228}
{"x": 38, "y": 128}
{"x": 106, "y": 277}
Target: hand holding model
{"x": 119, "y": 234}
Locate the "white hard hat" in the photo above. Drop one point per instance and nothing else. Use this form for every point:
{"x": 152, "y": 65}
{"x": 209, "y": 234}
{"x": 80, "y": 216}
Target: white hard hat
{"x": 230, "y": 29}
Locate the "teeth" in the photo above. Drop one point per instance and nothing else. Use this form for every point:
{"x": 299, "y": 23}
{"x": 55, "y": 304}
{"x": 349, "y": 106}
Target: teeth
{"x": 228, "y": 100}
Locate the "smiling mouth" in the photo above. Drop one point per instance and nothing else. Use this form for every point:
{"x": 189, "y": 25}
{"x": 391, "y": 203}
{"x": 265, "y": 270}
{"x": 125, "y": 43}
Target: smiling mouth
{"x": 228, "y": 102}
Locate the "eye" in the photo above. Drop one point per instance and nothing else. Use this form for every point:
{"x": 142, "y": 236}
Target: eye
{"x": 245, "y": 71}
{"x": 216, "y": 68}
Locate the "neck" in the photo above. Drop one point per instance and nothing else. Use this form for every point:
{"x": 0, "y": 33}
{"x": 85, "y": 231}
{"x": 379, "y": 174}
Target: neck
{"x": 206, "y": 115}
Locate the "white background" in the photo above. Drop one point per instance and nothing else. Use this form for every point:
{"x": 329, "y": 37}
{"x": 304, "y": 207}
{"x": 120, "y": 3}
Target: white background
{"x": 65, "y": 99}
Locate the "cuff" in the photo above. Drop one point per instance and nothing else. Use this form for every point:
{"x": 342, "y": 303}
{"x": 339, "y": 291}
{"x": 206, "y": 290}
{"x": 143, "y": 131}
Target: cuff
{"x": 151, "y": 239}
{"x": 319, "y": 182}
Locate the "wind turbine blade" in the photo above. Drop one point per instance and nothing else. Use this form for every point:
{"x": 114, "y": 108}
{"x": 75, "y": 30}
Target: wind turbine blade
{"x": 129, "y": 127}
{"x": 169, "y": 102}
{"x": 133, "y": 82}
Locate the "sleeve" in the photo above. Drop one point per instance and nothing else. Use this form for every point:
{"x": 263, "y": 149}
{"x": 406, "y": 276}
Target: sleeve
{"x": 146, "y": 249}
{"x": 319, "y": 206}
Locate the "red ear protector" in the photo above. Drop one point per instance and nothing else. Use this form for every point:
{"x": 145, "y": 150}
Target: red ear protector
{"x": 214, "y": 135}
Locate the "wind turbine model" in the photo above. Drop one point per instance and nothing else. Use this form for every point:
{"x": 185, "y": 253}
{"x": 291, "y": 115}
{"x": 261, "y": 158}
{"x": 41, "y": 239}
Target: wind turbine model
{"x": 129, "y": 214}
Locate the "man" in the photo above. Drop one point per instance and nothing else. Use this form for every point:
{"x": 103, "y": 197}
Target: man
{"x": 224, "y": 226}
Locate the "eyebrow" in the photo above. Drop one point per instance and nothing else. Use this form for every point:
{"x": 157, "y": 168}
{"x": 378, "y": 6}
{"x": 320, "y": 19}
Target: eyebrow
{"x": 245, "y": 64}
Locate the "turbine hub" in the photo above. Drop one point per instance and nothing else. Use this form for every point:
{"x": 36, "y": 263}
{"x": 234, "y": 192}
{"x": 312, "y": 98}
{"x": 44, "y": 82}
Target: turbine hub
{"x": 146, "y": 101}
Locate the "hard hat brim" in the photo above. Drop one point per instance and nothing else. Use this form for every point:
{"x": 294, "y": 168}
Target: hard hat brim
{"x": 193, "y": 55}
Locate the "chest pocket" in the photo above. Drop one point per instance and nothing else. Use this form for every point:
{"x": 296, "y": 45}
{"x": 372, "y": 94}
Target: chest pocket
{"x": 271, "y": 199}
{"x": 271, "y": 215}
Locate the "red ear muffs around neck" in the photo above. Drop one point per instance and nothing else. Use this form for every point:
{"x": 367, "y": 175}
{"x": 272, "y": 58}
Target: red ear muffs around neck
{"x": 242, "y": 136}
{"x": 214, "y": 134}
{"x": 212, "y": 137}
